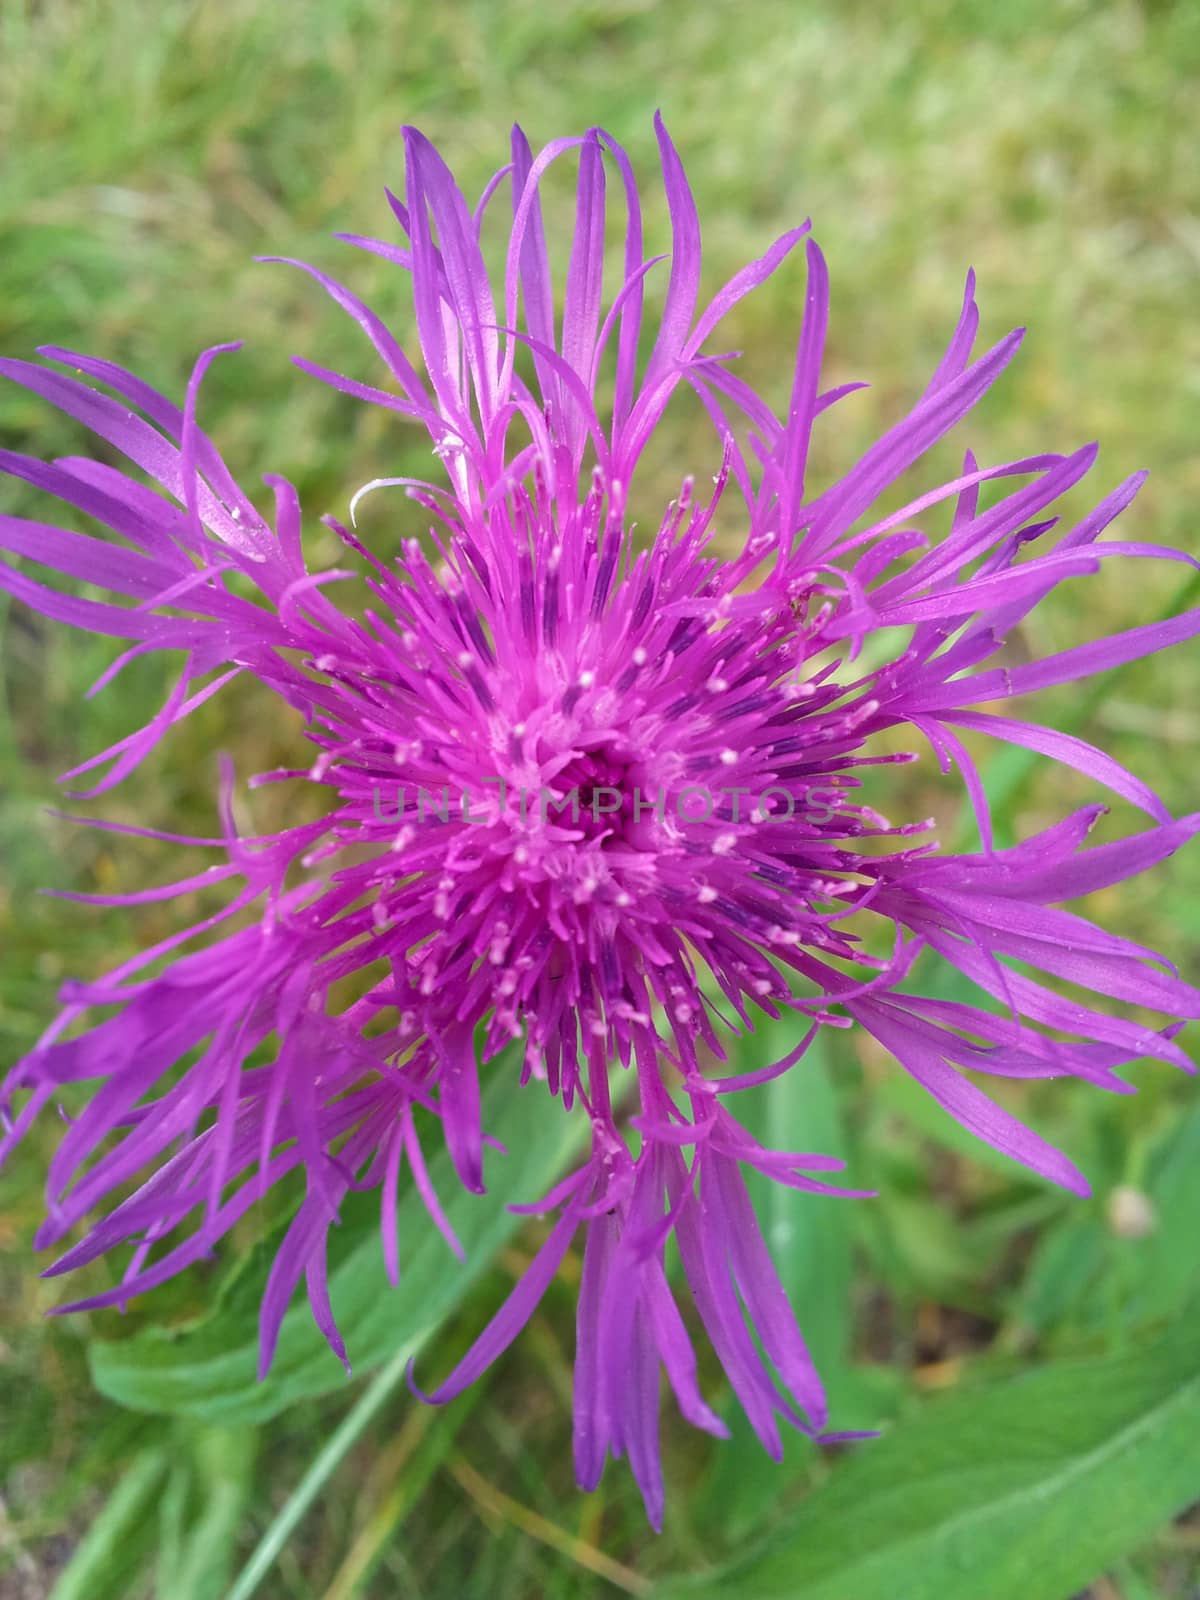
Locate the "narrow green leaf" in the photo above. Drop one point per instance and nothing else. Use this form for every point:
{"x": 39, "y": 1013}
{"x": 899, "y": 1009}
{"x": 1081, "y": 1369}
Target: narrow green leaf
{"x": 1133, "y": 1586}
{"x": 435, "y": 1432}
{"x": 195, "y": 1561}
{"x": 1027, "y": 1486}
{"x": 326, "y": 1463}
{"x": 1157, "y": 1274}
{"x": 115, "y": 1545}
{"x": 810, "y": 1240}
{"x": 1085, "y": 1275}
{"x": 1069, "y": 1261}
{"x": 208, "y": 1370}
{"x": 808, "y": 1235}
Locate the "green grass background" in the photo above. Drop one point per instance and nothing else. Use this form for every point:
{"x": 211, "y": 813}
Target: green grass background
{"x": 148, "y": 153}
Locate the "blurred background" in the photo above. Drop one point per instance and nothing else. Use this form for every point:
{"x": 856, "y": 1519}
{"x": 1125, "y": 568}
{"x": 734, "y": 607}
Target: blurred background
{"x": 150, "y": 152}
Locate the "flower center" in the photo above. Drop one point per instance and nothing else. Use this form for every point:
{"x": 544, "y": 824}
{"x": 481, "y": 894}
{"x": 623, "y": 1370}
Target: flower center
{"x": 593, "y": 791}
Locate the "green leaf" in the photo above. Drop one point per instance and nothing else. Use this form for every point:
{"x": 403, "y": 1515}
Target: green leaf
{"x": 1027, "y": 1486}
{"x": 810, "y": 1238}
{"x": 1068, "y": 1264}
{"x": 317, "y": 1475}
{"x": 435, "y": 1432}
{"x": 808, "y": 1235}
{"x": 1157, "y": 1274}
{"x": 209, "y": 1369}
{"x": 117, "y": 1542}
{"x": 1084, "y": 1276}
{"x": 195, "y": 1559}
{"x": 1133, "y": 1586}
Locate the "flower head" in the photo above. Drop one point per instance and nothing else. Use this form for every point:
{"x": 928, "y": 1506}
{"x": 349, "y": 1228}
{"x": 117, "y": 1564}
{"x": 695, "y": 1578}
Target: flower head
{"x": 591, "y": 803}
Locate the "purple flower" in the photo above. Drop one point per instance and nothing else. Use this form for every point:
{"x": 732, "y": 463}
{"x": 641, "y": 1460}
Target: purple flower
{"x": 606, "y": 800}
